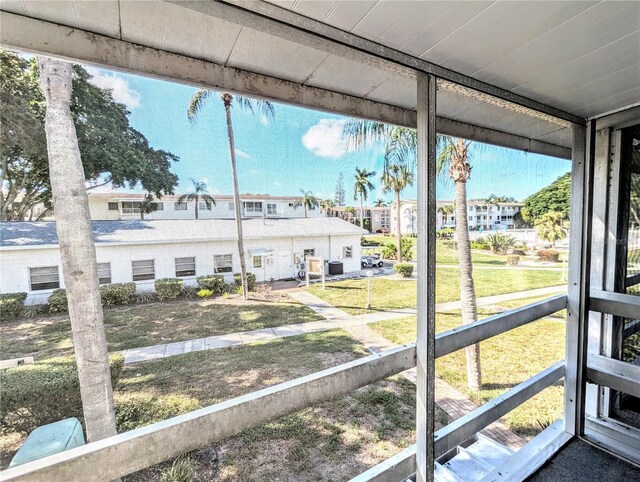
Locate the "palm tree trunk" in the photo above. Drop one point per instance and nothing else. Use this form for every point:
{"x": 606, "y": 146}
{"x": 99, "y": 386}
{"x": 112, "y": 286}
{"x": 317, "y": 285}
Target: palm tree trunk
{"x": 197, "y": 200}
{"x": 361, "y": 211}
{"x": 305, "y": 210}
{"x": 77, "y": 250}
{"x": 398, "y": 227}
{"x": 236, "y": 196}
{"x": 467, "y": 289}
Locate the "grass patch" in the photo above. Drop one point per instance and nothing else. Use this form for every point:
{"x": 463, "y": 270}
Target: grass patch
{"x": 389, "y": 293}
{"x": 506, "y": 360}
{"x": 335, "y": 440}
{"x": 150, "y": 324}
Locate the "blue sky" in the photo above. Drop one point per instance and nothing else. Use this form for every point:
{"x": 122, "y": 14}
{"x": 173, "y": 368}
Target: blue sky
{"x": 299, "y": 149}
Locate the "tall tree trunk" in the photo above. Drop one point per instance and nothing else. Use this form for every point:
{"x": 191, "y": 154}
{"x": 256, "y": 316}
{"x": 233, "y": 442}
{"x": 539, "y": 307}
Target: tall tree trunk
{"x": 3, "y": 174}
{"x": 361, "y": 211}
{"x": 197, "y": 200}
{"x": 398, "y": 227}
{"x": 467, "y": 289}
{"x": 77, "y": 250}
{"x": 305, "y": 210}
{"x": 227, "y": 99}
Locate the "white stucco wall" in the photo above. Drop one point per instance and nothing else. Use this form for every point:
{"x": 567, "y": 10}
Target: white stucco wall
{"x": 278, "y": 261}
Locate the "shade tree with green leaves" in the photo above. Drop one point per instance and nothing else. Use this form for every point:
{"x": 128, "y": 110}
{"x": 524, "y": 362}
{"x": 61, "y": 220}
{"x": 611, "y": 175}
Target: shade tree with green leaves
{"x": 553, "y": 198}
{"x": 111, "y": 150}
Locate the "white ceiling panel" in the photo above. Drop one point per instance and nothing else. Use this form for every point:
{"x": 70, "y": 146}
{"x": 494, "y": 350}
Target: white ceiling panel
{"x": 396, "y": 90}
{"x": 315, "y": 8}
{"x": 594, "y": 28}
{"x": 99, "y": 17}
{"x": 347, "y": 14}
{"x": 347, "y": 77}
{"x": 611, "y": 103}
{"x": 176, "y": 29}
{"x": 495, "y": 34}
{"x": 382, "y": 17}
{"x": 265, "y": 54}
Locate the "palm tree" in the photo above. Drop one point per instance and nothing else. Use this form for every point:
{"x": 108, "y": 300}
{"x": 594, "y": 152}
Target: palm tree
{"x": 361, "y": 189}
{"x": 198, "y": 101}
{"x": 351, "y": 212}
{"x": 446, "y": 210}
{"x": 380, "y": 203}
{"x": 327, "y": 204}
{"x": 77, "y": 250}
{"x": 551, "y": 227}
{"x": 453, "y": 163}
{"x": 200, "y": 192}
{"x": 308, "y": 201}
{"x": 395, "y": 178}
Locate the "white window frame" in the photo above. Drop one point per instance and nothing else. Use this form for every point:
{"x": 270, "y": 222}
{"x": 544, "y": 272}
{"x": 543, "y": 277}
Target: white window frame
{"x": 308, "y": 252}
{"x": 106, "y": 273}
{"x": 347, "y": 252}
{"x": 259, "y": 264}
{"x": 220, "y": 265}
{"x": 110, "y": 206}
{"x": 54, "y": 276}
{"x": 158, "y": 206}
{"x": 252, "y": 207}
{"x": 232, "y": 206}
{"x": 180, "y": 206}
{"x": 135, "y": 207}
{"x": 185, "y": 266}
{"x": 272, "y": 209}
{"x": 145, "y": 275}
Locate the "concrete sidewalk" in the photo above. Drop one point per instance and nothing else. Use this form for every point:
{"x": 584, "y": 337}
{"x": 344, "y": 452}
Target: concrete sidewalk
{"x": 334, "y": 319}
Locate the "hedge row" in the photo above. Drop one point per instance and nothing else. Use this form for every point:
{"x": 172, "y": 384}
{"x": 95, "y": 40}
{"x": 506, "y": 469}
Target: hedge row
{"x": 11, "y": 305}
{"x": 44, "y": 392}
{"x": 404, "y": 269}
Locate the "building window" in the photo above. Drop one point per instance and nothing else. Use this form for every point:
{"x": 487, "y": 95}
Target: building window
{"x": 309, "y": 252}
{"x": 222, "y": 263}
{"x": 180, "y": 206}
{"x": 104, "y": 273}
{"x": 272, "y": 209}
{"x": 347, "y": 252}
{"x": 44, "y": 278}
{"x": 202, "y": 206}
{"x": 130, "y": 207}
{"x": 158, "y": 206}
{"x": 113, "y": 206}
{"x": 232, "y": 206}
{"x": 143, "y": 270}
{"x": 252, "y": 207}
{"x": 185, "y": 266}
{"x": 291, "y": 205}
{"x": 257, "y": 261}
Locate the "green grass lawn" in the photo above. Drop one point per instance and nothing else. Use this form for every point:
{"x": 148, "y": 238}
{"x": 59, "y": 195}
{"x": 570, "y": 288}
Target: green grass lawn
{"x": 389, "y": 293}
{"x": 335, "y": 440}
{"x": 506, "y": 360}
{"x": 139, "y": 325}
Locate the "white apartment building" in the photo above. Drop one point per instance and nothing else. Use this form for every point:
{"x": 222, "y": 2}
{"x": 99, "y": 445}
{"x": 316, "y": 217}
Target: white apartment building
{"x": 144, "y": 251}
{"x": 125, "y": 206}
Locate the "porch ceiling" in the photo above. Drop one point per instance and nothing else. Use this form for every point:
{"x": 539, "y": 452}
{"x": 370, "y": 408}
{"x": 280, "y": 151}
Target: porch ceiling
{"x": 580, "y": 57}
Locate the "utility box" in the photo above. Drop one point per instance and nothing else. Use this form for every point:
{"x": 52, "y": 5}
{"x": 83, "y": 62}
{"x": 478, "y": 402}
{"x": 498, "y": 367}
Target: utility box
{"x": 48, "y": 440}
{"x": 336, "y": 267}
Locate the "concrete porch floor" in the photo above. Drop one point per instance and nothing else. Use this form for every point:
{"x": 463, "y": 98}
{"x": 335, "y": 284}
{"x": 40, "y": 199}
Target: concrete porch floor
{"x": 580, "y": 461}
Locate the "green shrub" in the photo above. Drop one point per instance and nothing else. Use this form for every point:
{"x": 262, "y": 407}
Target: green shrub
{"x": 390, "y": 250}
{"x": 44, "y": 392}
{"x": 251, "y": 281}
{"x": 204, "y": 293}
{"x": 213, "y": 282}
{"x": 404, "y": 269}
{"x": 183, "y": 469}
{"x": 480, "y": 245}
{"x": 550, "y": 255}
{"x": 139, "y": 409}
{"x": 500, "y": 242}
{"x": 117, "y": 294}
{"x": 519, "y": 252}
{"x": 513, "y": 260}
{"x": 11, "y": 305}
{"x": 169, "y": 288}
{"x": 58, "y": 301}
{"x": 445, "y": 233}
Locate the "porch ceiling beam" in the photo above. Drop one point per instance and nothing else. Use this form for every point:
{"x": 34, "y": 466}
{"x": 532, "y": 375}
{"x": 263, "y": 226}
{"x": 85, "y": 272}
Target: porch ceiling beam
{"x": 289, "y": 25}
{"x": 46, "y": 38}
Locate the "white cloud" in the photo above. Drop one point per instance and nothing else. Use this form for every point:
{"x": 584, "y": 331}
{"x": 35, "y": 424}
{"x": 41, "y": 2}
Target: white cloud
{"x": 325, "y": 139}
{"x": 119, "y": 87}
{"x": 242, "y": 154}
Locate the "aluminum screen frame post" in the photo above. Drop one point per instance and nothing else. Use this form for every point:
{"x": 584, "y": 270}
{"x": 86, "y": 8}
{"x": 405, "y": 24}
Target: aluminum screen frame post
{"x": 426, "y": 273}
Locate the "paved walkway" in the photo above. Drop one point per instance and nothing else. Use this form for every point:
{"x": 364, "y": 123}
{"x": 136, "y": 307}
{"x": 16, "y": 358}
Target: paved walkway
{"x": 334, "y": 319}
{"x": 452, "y": 401}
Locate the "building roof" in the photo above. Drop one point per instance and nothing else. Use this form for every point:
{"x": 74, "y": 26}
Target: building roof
{"x": 15, "y": 235}
{"x": 126, "y": 196}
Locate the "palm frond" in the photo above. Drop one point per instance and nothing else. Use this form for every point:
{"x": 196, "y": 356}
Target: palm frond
{"x": 263, "y": 106}
{"x": 361, "y": 134}
{"x": 197, "y": 102}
